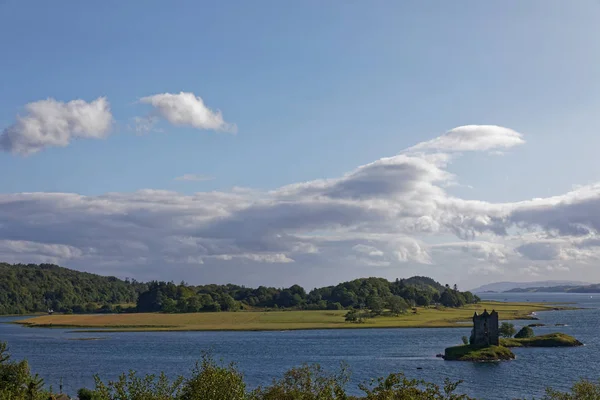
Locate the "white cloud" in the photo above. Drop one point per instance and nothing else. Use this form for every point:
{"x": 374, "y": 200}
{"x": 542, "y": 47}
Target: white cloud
{"x": 573, "y": 213}
{"x": 52, "y": 250}
{"x": 541, "y": 250}
{"x": 391, "y": 216}
{"x": 368, "y": 250}
{"x": 51, "y": 123}
{"x": 266, "y": 258}
{"x": 194, "y": 178}
{"x": 495, "y": 253}
{"x": 531, "y": 270}
{"x": 472, "y": 138}
{"x": 186, "y": 109}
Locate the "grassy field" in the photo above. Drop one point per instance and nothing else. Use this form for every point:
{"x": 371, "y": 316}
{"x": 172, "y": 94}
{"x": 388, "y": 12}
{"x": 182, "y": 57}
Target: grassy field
{"x": 549, "y": 340}
{"x": 282, "y": 320}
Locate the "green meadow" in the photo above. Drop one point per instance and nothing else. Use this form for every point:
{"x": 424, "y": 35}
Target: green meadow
{"x": 422, "y": 317}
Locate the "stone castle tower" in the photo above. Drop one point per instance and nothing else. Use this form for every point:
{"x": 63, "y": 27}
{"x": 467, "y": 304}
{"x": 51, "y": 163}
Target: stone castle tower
{"x": 485, "y": 329}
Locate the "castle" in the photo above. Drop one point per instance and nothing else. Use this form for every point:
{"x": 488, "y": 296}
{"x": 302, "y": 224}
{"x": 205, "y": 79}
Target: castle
{"x": 485, "y": 329}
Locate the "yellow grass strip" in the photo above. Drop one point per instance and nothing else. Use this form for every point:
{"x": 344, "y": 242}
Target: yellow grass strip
{"x": 284, "y": 320}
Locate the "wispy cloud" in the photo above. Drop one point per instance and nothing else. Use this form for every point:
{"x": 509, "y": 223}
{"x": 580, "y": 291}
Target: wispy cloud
{"x": 472, "y": 138}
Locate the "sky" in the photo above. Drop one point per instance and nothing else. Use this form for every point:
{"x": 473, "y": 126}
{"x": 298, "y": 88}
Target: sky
{"x": 275, "y": 143}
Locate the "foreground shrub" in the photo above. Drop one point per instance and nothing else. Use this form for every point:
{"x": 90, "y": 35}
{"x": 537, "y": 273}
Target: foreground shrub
{"x": 210, "y": 381}
{"x": 16, "y": 380}
{"x": 581, "y": 390}
{"x": 398, "y": 387}
{"x": 308, "y": 382}
{"x": 133, "y": 387}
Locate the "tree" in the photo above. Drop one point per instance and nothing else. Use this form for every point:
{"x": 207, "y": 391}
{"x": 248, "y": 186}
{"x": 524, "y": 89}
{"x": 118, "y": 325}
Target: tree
{"x": 450, "y": 298}
{"x": 211, "y": 380}
{"x": 351, "y": 316}
{"x": 397, "y": 305}
{"x": 507, "y": 330}
{"x": 375, "y": 304}
{"x": 525, "y": 332}
{"x": 16, "y": 380}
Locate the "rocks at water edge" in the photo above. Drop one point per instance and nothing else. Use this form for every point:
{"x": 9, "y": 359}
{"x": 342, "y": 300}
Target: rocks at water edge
{"x": 469, "y": 352}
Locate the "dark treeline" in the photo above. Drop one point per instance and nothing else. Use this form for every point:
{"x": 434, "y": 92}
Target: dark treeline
{"x": 371, "y": 293}
{"x": 210, "y": 380}
{"x": 38, "y": 288}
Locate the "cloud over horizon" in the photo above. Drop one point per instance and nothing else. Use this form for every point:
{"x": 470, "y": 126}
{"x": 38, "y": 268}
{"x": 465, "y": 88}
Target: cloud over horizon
{"x": 392, "y": 216}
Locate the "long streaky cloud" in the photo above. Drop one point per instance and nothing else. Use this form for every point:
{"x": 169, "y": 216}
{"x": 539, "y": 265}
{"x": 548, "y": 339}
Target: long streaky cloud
{"x": 472, "y": 138}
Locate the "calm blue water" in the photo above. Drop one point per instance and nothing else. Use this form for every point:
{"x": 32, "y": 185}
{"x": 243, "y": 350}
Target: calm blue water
{"x": 262, "y": 356}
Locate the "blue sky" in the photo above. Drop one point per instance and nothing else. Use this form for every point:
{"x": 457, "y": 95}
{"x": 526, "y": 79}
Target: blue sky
{"x": 315, "y": 90}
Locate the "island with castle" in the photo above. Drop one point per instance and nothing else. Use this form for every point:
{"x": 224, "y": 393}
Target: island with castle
{"x": 485, "y": 343}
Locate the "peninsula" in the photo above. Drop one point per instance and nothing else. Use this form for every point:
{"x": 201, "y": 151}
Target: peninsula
{"x": 419, "y": 317}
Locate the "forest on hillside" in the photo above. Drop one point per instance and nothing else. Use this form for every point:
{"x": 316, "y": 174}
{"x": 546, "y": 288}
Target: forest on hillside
{"x": 27, "y": 288}
{"x": 37, "y": 288}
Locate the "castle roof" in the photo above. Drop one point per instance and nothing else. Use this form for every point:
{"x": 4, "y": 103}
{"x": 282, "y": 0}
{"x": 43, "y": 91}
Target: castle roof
{"x": 485, "y": 314}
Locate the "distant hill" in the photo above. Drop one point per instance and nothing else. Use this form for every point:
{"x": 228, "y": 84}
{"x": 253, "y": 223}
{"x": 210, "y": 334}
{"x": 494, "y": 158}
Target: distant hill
{"x": 423, "y": 282}
{"x": 36, "y": 288}
{"x": 500, "y": 287}
{"x": 594, "y": 288}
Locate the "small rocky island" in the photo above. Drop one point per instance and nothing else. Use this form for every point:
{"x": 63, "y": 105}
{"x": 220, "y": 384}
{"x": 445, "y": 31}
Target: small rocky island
{"x": 485, "y": 343}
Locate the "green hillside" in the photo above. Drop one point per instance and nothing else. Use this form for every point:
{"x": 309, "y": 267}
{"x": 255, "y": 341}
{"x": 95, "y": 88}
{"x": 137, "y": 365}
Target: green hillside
{"x": 36, "y": 288}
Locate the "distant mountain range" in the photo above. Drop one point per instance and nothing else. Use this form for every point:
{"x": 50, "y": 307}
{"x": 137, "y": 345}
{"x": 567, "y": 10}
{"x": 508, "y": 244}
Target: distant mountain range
{"x": 593, "y": 288}
{"x": 536, "y": 286}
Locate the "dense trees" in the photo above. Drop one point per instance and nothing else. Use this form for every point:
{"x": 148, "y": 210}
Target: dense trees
{"x": 507, "y": 330}
{"x": 525, "y": 332}
{"x": 374, "y": 294}
{"x": 33, "y": 288}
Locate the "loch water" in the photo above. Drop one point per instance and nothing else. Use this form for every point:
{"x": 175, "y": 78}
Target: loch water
{"x": 369, "y": 353}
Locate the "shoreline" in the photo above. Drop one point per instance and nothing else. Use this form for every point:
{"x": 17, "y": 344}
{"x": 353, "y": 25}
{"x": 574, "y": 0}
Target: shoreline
{"x": 254, "y": 321}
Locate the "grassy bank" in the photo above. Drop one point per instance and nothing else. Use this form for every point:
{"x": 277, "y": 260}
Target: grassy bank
{"x": 549, "y": 340}
{"x": 476, "y": 353}
{"x": 283, "y": 320}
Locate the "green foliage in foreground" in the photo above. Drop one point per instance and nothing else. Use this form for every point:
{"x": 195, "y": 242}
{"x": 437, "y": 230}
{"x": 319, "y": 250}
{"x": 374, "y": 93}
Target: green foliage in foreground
{"x": 213, "y": 381}
{"x": 549, "y": 340}
{"x": 16, "y": 380}
{"x": 582, "y": 390}
{"x": 478, "y": 353}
